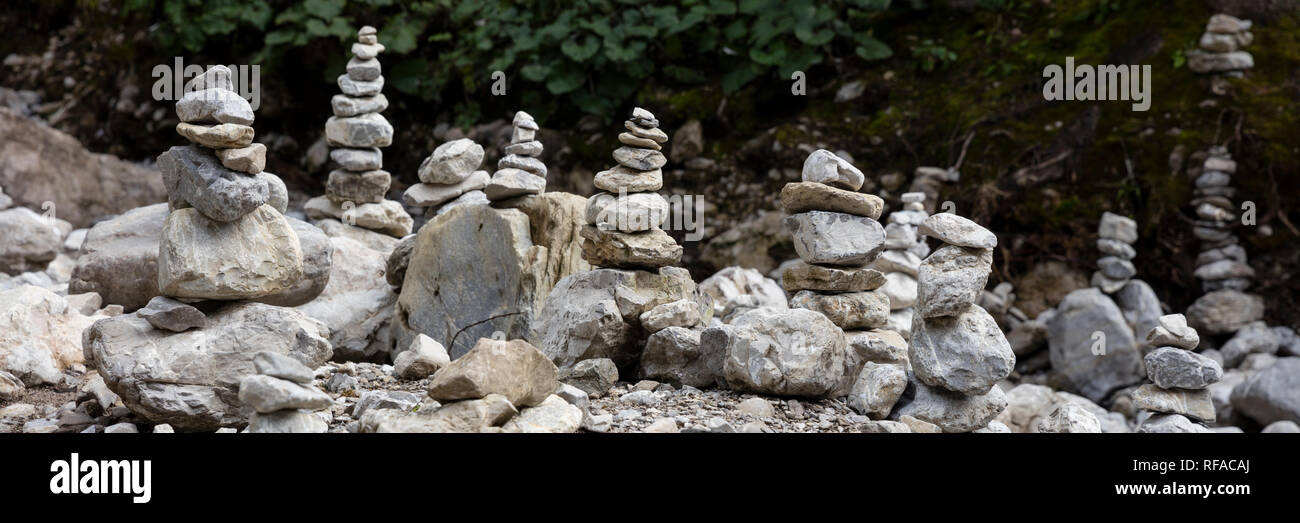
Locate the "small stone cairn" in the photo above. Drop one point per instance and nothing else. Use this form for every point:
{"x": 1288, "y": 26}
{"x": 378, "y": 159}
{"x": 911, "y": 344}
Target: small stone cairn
{"x": 957, "y": 351}
{"x": 225, "y": 237}
{"x": 355, "y": 192}
{"x": 450, "y": 177}
{"x": 1116, "y": 235}
{"x": 1221, "y": 47}
{"x": 519, "y": 172}
{"x": 836, "y": 236}
{"x": 282, "y": 396}
{"x": 623, "y": 222}
{"x": 1180, "y": 378}
{"x": 1221, "y": 263}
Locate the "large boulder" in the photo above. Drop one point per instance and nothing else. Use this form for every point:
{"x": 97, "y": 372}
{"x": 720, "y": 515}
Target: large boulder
{"x": 190, "y": 379}
{"x": 40, "y": 334}
{"x": 477, "y": 270}
{"x": 28, "y": 241}
{"x": 254, "y": 256}
{"x": 356, "y": 303}
{"x": 317, "y": 265}
{"x": 1272, "y": 394}
{"x": 39, "y": 164}
{"x": 966, "y": 353}
{"x": 597, "y": 314}
{"x": 1224, "y": 311}
{"x": 951, "y": 411}
{"x": 676, "y": 355}
{"x": 119, "y": 258}
{"x": 514, "y": 369}
{"x": 1071, "y": 342}
{"x": 790, "y": 352}
{"x": 1141, "y": 308}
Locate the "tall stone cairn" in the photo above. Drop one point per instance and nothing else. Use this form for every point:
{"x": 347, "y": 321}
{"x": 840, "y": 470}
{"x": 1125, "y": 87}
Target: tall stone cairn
{"x": 450, "y": 178}
{"x": 1116, "y": 235}
{"x": 1222, "y": 262}
{"x": 355, "y": 191}
{"x": 957, "y": 351}
{"x": 623, "y": 221}
{"x": 519, "y": 172}
{"x": 225, "y": 237}
{"x": 836, "y": 236}
{"x": 1180, "y": 378}
{"x": 1221, "y": 47}
{"x": 904, "y": 250}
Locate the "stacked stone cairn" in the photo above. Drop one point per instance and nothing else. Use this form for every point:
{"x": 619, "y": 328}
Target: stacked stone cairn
{"x": 836, "y": 236}
{"x": 450, "y": 178}
{"x": 957, "y": 351}
{"x": 1180, "y": 379}
{"x": 904, "y": 250}
{"x": 623, "y": 221}
{"x": 1221, "y": 47}
{"x": 225, "y": 237}
{"x": 355, "y": 193}
{"x": 1116, "y": 235}
{"x": 1222, "y": 261}
{"x": 1223, "y": 268}
{"x": 282, "y": 396}
{"x": 519, "y": 172}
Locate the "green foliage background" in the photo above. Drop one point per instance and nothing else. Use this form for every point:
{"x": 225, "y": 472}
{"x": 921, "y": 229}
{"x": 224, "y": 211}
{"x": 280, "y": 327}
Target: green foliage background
{"x": 588, "y": 55}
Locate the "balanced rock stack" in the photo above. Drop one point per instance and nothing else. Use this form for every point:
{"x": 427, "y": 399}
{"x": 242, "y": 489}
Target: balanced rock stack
{"x": 1220, "y": 47}
{"x": 355, "y": 193}
{"x": 904, "y": 250}
{"x": 519, "y": 172}
{"x": 836, "y": 235}
{"x": 1222, "y": 261}
{"x": 957, "y": 351}
{"x": 225, "y": 237}
{"x": 1116, "y": 235}
{"x": 1180, "y": 379}
{"x": 623, "y": 222}
{"x": 449, "y": 178}
{"x": 282, "y": 396}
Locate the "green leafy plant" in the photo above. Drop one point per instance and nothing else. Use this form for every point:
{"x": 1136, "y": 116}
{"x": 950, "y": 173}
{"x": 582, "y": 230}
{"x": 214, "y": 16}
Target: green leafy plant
{"x": 593, "y": 54}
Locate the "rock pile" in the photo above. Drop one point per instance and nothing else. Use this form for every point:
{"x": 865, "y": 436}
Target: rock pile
{"x": 1180, "y": 378}
{"x": 904, "y": 250}
{"x": 1223, "y": 268}
{"x": 519, "y": 172}
{"x": 1222, "y": 261}
{"x": 957, "y": 351}
{"x": 837, "y": 238}
{"x": 225, "y": 237}
{"x": 623, "y": 222}
{"x": 282, "y": 396}
{"x": 449, "y": 178}
{"x": 355, "y": 193}
{"x": 1116, "y": 237}
{"x": 1221, "y": 47}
